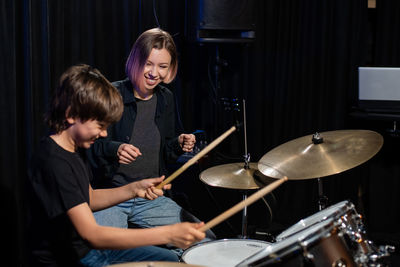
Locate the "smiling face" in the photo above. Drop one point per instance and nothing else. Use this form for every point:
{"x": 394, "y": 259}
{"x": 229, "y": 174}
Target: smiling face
{"x": 155, "y": 70}
{"x": 83, "y": 134}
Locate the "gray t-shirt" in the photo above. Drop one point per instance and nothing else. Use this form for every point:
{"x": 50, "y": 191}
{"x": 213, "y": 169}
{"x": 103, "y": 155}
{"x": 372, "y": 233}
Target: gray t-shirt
{"x": 146, "y": 137}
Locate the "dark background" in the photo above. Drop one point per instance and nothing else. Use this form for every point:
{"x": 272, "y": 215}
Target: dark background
{"x": 298, "y": 76}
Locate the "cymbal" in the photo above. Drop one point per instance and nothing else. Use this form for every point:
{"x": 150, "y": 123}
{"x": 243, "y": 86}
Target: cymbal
{"x": 306, "y": 158}
{"x": 153, "y": 264}
{"x": 233, "y": 176}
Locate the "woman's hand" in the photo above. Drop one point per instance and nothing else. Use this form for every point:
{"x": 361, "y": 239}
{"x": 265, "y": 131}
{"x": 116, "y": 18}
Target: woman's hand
{"x": 187, "y": 141}
{"x": 127, "y": 153}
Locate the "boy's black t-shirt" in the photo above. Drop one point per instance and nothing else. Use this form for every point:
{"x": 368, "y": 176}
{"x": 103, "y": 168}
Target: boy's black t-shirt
{"x": 58, "y": 181}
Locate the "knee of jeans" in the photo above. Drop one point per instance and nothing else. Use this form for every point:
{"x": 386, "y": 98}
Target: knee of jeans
{"x": 170, "y": 255}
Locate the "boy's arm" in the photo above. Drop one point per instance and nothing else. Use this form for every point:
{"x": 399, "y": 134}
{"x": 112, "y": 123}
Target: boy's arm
{"x": 103, "y": 237}
{"x": 104, "y": 198}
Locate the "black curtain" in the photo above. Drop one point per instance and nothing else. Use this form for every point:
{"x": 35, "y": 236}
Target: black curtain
{"x": 382, "y": 183}
{"x": 307, "y": 62}
{"x": 299, "y": 76}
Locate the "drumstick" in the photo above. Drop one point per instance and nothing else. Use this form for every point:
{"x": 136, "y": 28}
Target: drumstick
{"x": 197, "y": 157}
{"x": 247, "y": 202}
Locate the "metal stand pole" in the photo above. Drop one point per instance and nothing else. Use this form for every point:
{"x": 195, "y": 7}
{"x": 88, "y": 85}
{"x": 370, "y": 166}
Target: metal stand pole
{"x": 322, "y": 200}
{"x": 246, "y": 166}
{"x": 244, "y": 218}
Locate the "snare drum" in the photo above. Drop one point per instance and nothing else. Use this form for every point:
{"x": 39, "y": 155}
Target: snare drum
{"x": 343, "y": 210}
{"x": 319, "y": 245}
{"x": 222, "y": 253}
{"x": 349, "y": 224}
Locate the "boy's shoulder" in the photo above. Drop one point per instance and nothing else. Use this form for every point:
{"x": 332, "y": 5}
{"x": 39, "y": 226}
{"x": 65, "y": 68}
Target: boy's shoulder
{"x": 50, "y": 154}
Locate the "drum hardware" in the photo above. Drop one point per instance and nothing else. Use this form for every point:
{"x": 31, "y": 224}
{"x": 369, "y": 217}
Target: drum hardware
{"x": 320, "y": 244}
{"x": 335, "y": 236}
{"x": 309, "y": 258}
{"x": 244, "y": 217}
{"x": 340, "y": 263}
{"x": 377, "y": 259}
{"x": 322, "y": 199}
{"x": 246, "y": 167}
{"x": 239, "y": 206}
{"x": 322, "y": 155}
{"x": 349, "y": 227}
{"x": 241, "y": 176}
{"x": 374, "y": 256}
{"x": 236, "y": 176}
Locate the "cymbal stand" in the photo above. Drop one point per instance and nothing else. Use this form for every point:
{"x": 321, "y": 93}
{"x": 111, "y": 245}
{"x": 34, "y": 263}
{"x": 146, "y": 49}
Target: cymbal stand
{"x": 246, "y": 166}
{"x": 322, "y": 199}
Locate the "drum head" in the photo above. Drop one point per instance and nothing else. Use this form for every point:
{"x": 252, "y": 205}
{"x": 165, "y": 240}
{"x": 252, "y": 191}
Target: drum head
{"x": 221, "y": 253}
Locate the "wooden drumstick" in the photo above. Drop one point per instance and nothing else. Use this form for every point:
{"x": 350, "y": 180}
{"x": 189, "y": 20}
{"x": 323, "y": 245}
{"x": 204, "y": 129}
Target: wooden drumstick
{"x": 197, "y": 157}
{"x": 247, "y": 202}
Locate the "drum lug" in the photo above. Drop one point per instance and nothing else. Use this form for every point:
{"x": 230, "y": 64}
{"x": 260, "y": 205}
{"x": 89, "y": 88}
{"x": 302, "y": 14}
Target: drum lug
{"x": 377, "y": 259}
{"x": 355, "y": 235}
{"x": 308, "y": 257}
{"x": 339, "y": 263}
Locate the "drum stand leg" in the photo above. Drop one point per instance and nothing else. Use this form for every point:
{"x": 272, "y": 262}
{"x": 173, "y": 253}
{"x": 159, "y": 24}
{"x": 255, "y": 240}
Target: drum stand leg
{"x": 244, "y": 218}
{"x": 322, "y": 199}
{"x": 246, "y": 166}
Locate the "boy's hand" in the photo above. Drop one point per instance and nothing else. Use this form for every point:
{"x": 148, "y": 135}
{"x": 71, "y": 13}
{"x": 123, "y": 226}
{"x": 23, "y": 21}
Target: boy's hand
{"x": 146, "y": 188}
{"x": 182, "y": 235}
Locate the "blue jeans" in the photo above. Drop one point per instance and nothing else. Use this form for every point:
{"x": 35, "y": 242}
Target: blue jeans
{"x": 143, "y": 213}
{"x": 140, "y": 213}
{"x": 99, "y": 258}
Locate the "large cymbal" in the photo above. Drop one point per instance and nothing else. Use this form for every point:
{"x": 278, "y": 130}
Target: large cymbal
{"x": 339, "y": 151}
{"x": 233, "y": 176}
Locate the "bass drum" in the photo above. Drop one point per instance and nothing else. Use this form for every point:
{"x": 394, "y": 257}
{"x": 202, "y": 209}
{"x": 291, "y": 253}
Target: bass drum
{"x": 222, "y": 253}
{"x": 319, "y": 245}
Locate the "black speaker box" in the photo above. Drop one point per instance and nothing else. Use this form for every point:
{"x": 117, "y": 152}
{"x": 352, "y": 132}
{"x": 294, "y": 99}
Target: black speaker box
{"x": 220, "y": 20}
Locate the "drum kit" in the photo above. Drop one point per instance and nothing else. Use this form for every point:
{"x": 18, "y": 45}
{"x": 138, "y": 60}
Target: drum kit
{"x": 334, "y": 236}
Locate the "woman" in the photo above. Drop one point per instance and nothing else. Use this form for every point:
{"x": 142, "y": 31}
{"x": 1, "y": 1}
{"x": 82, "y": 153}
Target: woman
{"x": 144, "y": 140}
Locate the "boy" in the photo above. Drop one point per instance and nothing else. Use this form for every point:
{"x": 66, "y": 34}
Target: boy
{"x": 63, "y": 231}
